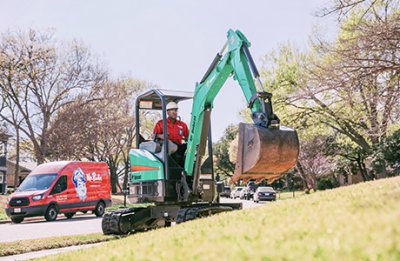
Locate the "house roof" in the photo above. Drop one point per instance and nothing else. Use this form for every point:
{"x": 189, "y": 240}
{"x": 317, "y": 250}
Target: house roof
{"x": 24, "y": 166}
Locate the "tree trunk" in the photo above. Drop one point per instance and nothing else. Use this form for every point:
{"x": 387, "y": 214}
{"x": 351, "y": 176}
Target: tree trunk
{"x": 38, "y": 153}
{"x": 308, "y": 180}
{"x": 16, "y": 173}
{"x": 362, "y": 169}
{"x": 113, "y": 175}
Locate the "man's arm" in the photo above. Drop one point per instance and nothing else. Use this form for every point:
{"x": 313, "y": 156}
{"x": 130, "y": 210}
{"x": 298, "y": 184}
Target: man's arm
{"x": 159, "y": 130}
{"x": 185, "y": 131}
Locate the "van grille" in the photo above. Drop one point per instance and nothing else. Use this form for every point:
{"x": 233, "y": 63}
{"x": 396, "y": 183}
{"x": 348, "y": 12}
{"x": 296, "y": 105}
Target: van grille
{"x": 17, "y": 202}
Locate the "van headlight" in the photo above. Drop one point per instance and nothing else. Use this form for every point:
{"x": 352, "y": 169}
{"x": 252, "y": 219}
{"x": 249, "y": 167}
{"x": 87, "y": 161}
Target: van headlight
{"x": 37, "y": 197}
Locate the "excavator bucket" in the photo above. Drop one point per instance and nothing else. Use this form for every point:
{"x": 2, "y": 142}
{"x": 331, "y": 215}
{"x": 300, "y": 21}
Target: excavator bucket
{"x": 265, "y": 153}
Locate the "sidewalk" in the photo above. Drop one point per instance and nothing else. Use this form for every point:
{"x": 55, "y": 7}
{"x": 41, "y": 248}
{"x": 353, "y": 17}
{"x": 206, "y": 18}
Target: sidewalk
{"x": 42, "y": 253}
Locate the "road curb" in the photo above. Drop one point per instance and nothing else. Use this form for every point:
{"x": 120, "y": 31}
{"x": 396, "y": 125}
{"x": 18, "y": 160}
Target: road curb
{"x": 40, "y": 218}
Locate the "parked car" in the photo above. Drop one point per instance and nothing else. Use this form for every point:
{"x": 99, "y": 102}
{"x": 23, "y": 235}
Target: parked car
{"x": 236, "y": 192}
{"x": 241, "y": 193}
{"x": 264, "y": 194}
{"x": 250, "y": 189}
{"x": 245, "y": 193}
{"x": 226, "y": 193}
{"x": 61, "y": 187}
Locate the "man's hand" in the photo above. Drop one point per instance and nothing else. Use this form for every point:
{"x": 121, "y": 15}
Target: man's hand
{"x": 159, "y": 136}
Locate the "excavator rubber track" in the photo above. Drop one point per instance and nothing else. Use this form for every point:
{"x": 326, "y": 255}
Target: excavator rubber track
{"x": 265, "y": 153}
{"x": 125, "y": 221}
{"x": 116, "y": 222}
{"x": 186, "y": 214}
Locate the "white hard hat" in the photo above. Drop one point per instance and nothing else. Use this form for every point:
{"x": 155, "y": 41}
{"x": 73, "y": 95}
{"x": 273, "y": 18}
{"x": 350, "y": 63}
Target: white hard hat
{"x": 172, "y": 105}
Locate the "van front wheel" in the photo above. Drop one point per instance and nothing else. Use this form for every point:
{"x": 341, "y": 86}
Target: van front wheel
{"x": 51, "y": 213}
{"x": 99, "y": 210}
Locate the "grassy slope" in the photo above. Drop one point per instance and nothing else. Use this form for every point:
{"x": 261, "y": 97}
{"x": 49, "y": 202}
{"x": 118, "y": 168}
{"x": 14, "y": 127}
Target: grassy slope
{"x": 358, "y": 222}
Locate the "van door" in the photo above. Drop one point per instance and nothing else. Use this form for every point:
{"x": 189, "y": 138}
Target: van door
{"x": 59, "y": 192}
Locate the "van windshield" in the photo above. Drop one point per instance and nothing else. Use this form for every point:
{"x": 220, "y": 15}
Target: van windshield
{"x": 37, "y": 182}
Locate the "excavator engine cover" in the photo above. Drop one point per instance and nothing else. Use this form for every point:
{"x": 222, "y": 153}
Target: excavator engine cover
{"x": 265, "y": 153}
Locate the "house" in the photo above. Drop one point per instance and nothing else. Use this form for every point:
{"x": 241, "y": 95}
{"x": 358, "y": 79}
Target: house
{"x": 350, "y": 179}
{"x": 24, "y": 169}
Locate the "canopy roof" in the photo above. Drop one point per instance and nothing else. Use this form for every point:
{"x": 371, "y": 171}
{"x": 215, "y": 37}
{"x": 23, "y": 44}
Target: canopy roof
{"x": 151, "y": 99}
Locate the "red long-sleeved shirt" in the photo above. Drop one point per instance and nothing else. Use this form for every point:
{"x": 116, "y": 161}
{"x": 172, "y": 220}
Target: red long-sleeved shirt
{"x": 176, "y": 131}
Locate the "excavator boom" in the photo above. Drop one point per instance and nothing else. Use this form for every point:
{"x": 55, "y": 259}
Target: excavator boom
{"x": 266, "y": 149}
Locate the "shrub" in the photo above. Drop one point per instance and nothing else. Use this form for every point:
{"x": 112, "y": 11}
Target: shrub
{"x": 326, "y": 183}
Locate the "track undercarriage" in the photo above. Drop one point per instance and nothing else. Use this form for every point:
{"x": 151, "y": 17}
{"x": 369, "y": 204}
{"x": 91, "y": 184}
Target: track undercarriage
{"x": 125, "y": 221}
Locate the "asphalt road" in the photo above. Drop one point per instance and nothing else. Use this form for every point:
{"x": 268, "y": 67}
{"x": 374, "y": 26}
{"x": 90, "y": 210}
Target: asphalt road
{"x": 83, "y": 224}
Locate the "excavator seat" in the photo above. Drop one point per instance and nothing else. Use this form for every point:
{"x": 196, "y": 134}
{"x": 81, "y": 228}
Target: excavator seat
{"x": 157, "y": 149}
{"x": 265, "y": 153}
{"x": 151, "y": 146}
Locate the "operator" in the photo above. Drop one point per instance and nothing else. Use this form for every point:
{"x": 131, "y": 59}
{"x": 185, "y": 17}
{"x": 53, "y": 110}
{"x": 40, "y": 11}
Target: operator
{"x": 178, "y": 132}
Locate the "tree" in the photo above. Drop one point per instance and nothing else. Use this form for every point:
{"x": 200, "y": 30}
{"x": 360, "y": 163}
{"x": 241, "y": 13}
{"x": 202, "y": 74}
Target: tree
{"x": 362, "y": 72}
{"x": 100, "y": 130}
{"x": 350, "y": 87}
{"x": 344, "y": 8}
{"x": 313, "y": 164}
{"x": 387, "y": 155}
{"x": 38, "y": 77}
{"x": 350, "y": 159}
{"x": 221, "y": 151}
{"x": 15, "y": 121}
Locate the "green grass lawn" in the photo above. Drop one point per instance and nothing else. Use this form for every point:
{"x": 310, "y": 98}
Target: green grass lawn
{"x": 24, "y": 246}
{"x": 360, "y": 222}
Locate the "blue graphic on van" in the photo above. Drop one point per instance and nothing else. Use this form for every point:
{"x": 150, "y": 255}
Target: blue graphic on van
{"x": 79, "y": 180}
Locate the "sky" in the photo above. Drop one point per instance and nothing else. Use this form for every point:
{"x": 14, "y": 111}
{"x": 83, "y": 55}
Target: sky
{"x": 171, "y": 43}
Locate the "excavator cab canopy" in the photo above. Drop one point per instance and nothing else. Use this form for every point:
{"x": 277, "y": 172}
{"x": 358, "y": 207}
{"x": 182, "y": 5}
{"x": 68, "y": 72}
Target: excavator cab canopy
{"x": 155, "y": 98}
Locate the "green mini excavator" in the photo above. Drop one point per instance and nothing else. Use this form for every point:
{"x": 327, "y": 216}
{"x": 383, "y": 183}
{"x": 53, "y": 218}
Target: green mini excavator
{"x": 175, "y": 178}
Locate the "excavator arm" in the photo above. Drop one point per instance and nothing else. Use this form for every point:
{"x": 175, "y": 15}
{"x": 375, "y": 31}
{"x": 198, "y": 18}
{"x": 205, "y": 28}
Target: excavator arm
{"x": 238, "y": 62}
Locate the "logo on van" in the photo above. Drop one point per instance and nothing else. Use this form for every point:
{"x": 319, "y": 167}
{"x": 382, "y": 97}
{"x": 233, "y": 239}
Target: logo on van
{"x": 79, "y": 180}
{"x": 94, "y": 177}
